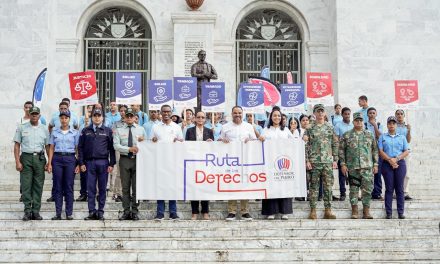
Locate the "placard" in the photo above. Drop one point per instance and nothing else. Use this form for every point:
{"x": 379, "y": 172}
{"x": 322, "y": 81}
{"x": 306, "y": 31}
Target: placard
{"x": 185, "y": 92}
{"x": 213, "y": 96}
{"x": 319, "y": 88}
{"x": 252, "y": 98}
{"x": 292, "y": 98}
{"x": 406, "y": 94}
{"x": 128, "y": 88}
{"x": 159, "y": 93}
{"x": 83, "y": 88}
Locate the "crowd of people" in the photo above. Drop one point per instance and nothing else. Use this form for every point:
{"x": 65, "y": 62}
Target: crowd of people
{"x": 102, "y": 148}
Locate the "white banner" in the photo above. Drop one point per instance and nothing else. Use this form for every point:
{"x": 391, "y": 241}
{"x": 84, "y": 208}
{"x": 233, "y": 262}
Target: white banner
{"x": 200, "y": 170}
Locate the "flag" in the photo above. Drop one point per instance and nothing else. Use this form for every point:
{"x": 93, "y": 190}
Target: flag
{"x": 40, "y": 83}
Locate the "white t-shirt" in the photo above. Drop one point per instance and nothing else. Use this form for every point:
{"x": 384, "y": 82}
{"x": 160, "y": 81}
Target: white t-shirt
{"x": 277, "y": 133}
{"x": 166, "y": 133}
{"x": 235, "y": 132}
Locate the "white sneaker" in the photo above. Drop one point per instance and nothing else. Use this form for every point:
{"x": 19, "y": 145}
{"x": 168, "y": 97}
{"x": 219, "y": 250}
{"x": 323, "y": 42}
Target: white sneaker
{"x": 230, "y": 217}
{"x": 284, "y": 217}
{"x": 271, "y": 217}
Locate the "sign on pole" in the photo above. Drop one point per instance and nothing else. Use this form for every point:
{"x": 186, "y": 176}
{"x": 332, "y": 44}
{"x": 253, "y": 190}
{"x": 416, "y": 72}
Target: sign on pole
{"x": 406, "y": 94}
{"x": 213, "y": 97}
{"x": 159, "y": 93}
{"x": 319, "y": 88}
{"x": 185, "y": 92}
{"x": 292, "y": 98}
{"x": 83, "y": 88}
{"x": 252, "y": 98}
{"x": 128, "y": 88}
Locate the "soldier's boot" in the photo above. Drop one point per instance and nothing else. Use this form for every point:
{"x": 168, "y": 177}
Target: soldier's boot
{"x": 328, "y": 214}
{"x": 354, "y": 212}
{"x": 312, "y": 214}
{"x": 367, "y": 213}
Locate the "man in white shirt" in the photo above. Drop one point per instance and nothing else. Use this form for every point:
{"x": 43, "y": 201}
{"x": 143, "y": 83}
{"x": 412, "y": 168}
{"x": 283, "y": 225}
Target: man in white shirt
{"x": 237, "y": 130}
{"x": 166, "y": 131}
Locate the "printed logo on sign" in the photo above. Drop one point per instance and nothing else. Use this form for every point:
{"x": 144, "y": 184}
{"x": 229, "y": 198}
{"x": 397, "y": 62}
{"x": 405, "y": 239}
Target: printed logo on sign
{"x": 83, "y": 86}
{"x": 283, "y": 166}
{"x": 252, "y": 99}
{"x": 160, "y": 95}
{"x": 319, "y": 88}
{"x": 407, "y": 94}
{"x": 185, "y": 92}
{"x": 292, "y": 99}
{"x": 128, "y": 84}
{"x": 212, "y": 95}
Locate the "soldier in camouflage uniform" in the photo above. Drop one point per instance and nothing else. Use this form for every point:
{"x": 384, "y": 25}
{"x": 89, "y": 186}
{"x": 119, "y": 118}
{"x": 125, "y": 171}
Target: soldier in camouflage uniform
{"x": 321, "y": 159}
{"x": 358, "y": 155}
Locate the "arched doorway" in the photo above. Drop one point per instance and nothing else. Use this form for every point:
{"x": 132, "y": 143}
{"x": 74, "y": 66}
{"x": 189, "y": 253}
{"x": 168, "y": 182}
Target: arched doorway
{"x": 118, "y": 39}
{"x": 268, "y": 37}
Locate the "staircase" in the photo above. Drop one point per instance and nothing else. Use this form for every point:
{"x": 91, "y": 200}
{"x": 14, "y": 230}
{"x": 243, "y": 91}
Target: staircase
{"x": 413, "y": 240}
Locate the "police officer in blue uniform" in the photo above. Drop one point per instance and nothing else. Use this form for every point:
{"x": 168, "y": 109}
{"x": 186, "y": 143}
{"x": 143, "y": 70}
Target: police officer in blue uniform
{"x": 96, "y": 156}
{"x": 62, "y": 162}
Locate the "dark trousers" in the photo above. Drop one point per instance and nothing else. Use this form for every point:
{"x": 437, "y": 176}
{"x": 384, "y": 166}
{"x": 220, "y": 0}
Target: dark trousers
{"x": 97, "y": 172}
{"x": 161, "y": 207}
{"x": 342, "y": 189}
{"x": 32, "y": 181}
{"x": 195, "y": 207}
{"x": 377, "y": 189}
{"x": 83, "y": 182}
{"x": 63, "y": 169}
{"x": 394, "y": 179}
{"x": 127, "y": 167}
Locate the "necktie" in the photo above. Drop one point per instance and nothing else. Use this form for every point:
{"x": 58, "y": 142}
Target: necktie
{"x": 130, "y": 141}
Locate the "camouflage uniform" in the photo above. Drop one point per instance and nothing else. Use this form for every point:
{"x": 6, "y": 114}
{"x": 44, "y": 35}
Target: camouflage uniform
{"x": 321, "y": 152}
{"x": 358, "y": 151}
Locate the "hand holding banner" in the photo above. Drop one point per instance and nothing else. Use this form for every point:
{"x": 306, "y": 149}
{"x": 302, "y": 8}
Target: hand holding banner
{"x": 406, "y": 94}
{"x": 128, "y": 88}
{"x": 185, "y": 92}
{"x": 292, "y": 98}
{"x": 83, "y": 88}
{"x": 252, "y": 98}
{"x": 213, "y": 96}
{"x": 319, "y": 88}
{"x": 159, "y": 93}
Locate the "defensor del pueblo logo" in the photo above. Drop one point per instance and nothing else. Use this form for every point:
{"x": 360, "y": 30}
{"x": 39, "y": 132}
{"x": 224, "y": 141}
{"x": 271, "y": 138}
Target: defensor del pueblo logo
{"x": 283, "y": 168}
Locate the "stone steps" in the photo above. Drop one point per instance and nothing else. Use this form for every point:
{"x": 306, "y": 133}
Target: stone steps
{"x": 403, "y": 255}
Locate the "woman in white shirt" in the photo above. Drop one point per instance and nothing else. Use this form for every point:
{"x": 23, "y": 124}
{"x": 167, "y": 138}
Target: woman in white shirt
{"x": 294, "y": 127}
{"x": 276, "y": 130}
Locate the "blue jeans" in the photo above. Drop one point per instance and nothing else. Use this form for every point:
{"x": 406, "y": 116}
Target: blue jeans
{"x": 161, "y": 207}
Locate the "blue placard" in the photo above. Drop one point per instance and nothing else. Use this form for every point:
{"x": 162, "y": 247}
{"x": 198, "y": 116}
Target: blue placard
{"x": 159, "y": 93}
{"x": 128, "y": 88}
{"x": 292, "y": 98}
{"x": 252, "y": 97}
{"x": 185, "y": 92}
{"x": 213, "y": 96}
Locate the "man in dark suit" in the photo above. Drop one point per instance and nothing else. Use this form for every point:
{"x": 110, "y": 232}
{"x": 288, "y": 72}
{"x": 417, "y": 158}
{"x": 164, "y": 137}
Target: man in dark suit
{"x": 199, "y": 133}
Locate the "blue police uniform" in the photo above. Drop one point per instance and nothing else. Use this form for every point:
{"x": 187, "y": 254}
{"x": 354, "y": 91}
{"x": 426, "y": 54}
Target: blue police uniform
{"x": 63, "y": 167}
{"x": 111, "y": 119}
{"x": 142, "y": 118}
{"x": 148, "y": 126}
{"x": 94, "y": 150}
{"x": 393, "y": 146}
{"x": 217, "y": 129}
{"x": 340, "y": 128}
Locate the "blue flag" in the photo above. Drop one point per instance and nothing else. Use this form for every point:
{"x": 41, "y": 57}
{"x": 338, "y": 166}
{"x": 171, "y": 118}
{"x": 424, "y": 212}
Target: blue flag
{"x": 37, "y": 95}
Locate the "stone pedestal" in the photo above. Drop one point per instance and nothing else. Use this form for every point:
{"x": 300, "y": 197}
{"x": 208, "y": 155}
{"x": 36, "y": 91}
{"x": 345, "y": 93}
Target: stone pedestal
{"x": 193, "y": 31}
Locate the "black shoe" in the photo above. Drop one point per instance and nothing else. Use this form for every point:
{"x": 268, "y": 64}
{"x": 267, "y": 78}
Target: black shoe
{"x": 320, "y": 198}
{"x": 57, "y": 217}
{"x": 69, "y": 217}
{"x": 389, "y": 216}
{"x": 408, "y": 198}
{"x": 342, "y": 198}
{"x": 36, "y": 216}
{"x": 246, "y": 217}
{"x": 92, "y": 216}
{"x": 134, "y": 217}
{"x": 50, "y": 199}
{"x": 100, "y": 217}
{"x": 334, "y": 198}
{"x": 125, "y": 216}
{"x": 21, "y": 199}
{"x": 401, "y": 216}
{"x": 27, "y": 217}
{"x": 118, "y": 199}
{"x": 82, "y": 198}
{"x": 173, "y": 216}
{"x": 159, "y": 217}
{"x": 97, "y": 198}
{"x": 230, "y": 217}
{"x": 379, "y": 198}
{"x": 300, "y": 199}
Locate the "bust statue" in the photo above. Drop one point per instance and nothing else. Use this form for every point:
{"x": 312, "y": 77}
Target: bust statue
{"x": 204, "y": 72}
